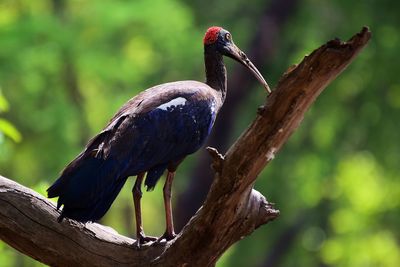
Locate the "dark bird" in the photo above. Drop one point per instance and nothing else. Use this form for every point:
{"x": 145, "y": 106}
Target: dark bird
{"x": 151, "y": 133}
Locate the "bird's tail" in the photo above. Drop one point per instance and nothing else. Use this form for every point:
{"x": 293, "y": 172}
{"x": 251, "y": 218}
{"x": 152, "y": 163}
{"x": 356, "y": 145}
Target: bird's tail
{"x": 87, "y": 188}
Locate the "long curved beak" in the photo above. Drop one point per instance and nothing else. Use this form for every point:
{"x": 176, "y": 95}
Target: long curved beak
{"x": 235, "y": 53}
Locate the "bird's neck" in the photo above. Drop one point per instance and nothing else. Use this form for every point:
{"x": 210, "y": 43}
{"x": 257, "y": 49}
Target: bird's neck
{"x": 215, "y": 71}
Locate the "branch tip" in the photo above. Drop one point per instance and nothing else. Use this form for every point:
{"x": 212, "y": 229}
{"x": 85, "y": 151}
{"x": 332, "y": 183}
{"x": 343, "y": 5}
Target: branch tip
{"x": 266, "y": 213}
{"x": 218, "y": 158}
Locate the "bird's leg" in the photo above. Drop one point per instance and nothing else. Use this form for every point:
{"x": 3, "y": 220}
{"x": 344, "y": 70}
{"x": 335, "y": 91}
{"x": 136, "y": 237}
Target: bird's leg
{"x": 169, "y": 232}
{"x": 137, "y": 195}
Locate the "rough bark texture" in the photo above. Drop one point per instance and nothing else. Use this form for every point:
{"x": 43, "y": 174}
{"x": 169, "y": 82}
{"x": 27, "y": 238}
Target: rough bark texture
{"x": 232, "y": 209}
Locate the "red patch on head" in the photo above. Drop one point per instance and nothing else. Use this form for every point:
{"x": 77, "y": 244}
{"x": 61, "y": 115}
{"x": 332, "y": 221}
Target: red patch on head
{"x": 211, "y": 35}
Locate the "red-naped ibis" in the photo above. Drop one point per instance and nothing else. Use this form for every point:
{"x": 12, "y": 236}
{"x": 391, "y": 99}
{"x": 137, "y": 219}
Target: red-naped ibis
{"x": 153, "y": 132}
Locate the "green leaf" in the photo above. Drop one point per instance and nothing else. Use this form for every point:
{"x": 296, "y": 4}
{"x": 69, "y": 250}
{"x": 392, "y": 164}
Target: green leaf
{"x": 3, "y": 103}
{"x": 9, "y": 130}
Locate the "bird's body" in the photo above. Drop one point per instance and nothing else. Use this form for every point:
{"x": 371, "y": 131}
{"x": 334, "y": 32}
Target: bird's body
{"x": 151, "y": 133}
{"x": 146, "y": 135}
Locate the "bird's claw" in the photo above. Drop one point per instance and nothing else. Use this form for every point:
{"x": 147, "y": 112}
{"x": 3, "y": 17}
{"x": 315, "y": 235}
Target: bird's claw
{"x": 166, "y": 236}
{"x": 143, "y": 239}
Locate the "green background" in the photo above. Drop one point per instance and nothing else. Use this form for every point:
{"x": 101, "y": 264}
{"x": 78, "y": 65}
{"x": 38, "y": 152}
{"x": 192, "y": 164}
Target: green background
{"x": 67, "y": 66}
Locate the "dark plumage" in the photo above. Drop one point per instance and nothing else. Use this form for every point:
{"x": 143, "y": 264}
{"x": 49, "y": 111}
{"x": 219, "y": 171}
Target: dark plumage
{"x": 152, "y": 132}
{"x": 146, "y": 135}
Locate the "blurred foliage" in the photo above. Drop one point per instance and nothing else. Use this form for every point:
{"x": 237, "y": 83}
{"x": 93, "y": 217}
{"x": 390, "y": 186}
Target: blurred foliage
{"x": 6, "y": 128}
{"x": 66, "y": 67}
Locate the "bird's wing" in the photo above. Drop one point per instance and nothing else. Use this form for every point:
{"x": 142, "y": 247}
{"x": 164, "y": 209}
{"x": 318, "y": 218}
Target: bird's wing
{"x": 129, "y": 123}
{"x": 156, "y": 129}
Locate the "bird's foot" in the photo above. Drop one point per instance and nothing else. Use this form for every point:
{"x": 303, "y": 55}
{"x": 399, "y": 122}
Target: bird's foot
{"x": 167, "y": 236}
{"x": 143, "y": 239}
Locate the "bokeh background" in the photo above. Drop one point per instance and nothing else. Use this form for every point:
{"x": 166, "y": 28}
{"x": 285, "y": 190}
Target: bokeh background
{"x": 67, "y": 66}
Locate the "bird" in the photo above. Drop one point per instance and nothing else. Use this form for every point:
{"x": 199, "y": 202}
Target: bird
{"x": 151, "y": 133}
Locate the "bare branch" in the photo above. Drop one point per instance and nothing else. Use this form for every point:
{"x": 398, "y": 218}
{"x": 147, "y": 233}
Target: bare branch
{"x": 218, "y": 159}
{"x": 232, "y": 209}
{"x": 28, "y": 222}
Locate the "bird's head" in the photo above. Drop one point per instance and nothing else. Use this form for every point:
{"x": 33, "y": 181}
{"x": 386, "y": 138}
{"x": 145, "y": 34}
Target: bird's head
{"x": 221, "y": 40}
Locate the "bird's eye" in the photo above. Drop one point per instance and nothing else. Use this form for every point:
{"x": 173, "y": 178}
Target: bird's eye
{"x": 228, "y": 37}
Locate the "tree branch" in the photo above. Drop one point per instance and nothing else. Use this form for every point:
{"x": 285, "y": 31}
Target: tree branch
{"x": 232, "y": 209}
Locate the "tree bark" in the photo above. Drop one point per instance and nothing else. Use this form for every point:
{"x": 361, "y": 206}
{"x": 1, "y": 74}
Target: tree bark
{"x": 232, "y": 209}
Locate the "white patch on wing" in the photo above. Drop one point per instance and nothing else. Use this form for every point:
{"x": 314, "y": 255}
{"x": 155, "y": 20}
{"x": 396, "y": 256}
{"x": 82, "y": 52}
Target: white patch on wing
{"x": 174, "y": 102}
{"x": 212, "y": 107}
